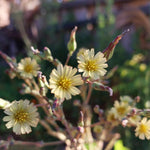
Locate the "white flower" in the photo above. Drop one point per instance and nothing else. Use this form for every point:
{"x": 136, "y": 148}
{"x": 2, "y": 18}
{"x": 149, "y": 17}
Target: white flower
{"x": 28, "y": 68}
{"x": 92, "y": 65}
{"x": 21, "y": 115}
{"x": 4, "y": 103}
{"x": 121, "y": 109}
{"x": 63, "y": 82}
{"x": 143, "y": 129}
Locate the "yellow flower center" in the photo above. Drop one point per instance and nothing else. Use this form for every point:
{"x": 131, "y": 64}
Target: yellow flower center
{"x": 121, "y": 110}
{"x": 91, "y": 65}
{"x": 111, "y": 117}
{"x": 21, "y": 116}
{"x": 98, "y": 129}
{"x": 142, "y": 128}
{"x": 64, "y": 83}
{"x": 28, "y": 68}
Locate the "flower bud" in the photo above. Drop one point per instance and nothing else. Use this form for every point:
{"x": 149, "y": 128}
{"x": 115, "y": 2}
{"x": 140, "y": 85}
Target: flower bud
{"x": 72, "y": 44}
{"x": 47, "y": 54}
{"x": 108, "y": 52}
{"x": 124, "y": 122}
{"x": 55, "y": 104}
{"x": 11, "y": 73}
{"x": 137, "y": 99}
{"x": 77, "y": 103}
{"x": 133, "y": 111}
{"x": 25, "y": 89}
{"x": 96, "y": 109}
{"x": 80, "y": 129}
{"x": 101, "y": 87}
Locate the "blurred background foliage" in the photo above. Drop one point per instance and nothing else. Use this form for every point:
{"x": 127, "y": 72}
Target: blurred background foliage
{"x": 49, "y": 22}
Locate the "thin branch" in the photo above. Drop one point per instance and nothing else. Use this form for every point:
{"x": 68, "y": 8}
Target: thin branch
{"x": 65, "y": 122}
{"x": 112, "y": 141}
{"x": 27, "y": 143}
{"x": 89, "y": 93}
{"x": 59, "y": 135}
{"x": 68, "y": 58}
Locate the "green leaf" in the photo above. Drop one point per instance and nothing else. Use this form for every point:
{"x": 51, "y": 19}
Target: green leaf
{"x": 90, "y": 146}
{"x": 119, "y": 146}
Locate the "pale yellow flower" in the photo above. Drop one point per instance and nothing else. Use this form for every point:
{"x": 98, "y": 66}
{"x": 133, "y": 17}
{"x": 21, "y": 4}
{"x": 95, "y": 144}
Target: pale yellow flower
{"x": 92, "y": 65}
{"x": 81, "y": 51}
{"x": 98, "y": 129}
{"x": 111, "y": 116}
{"x": 63, "y": 82}
{"x": 121, "y": 109}
{"x": 28, "y": 68}
{"x": 126, "y": 99}
{"x": 4, "y": 103}
{"x": 134, "y": 119}
{"x": 21, "y": 116}
{"x": 136, "y": 59}
{"x": 124, "y": 72}
{"x": 143, "y": 129}
{"x": 142, "y": 67}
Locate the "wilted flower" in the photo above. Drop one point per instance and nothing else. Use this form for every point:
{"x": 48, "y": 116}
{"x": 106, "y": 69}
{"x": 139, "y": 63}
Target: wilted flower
{"x": 63, "y": 82}
{"x": 143, "y": 129}
{"x": 21, "y": 115}
{"x": 92, "y": 66}
{"x": 28, "y": 68}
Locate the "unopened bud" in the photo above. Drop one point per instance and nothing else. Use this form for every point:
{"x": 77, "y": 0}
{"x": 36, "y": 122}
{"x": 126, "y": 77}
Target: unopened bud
{"x": 25, "y": 89}
{"x": 68, "y": 142}
{"x": 108, "y": 52}
{"x": 44, "y": 80}
{"x": 101, "y": 111}
{"x": 11, "y": 73}
{"x": 40, "y": 82}
{"x": 76, "y": 103}
{"x": 124, "y": 122}
{"x": 137, "y": 99}
{"x": 72, "y": 44}
{"x": 48, "y": 54}
{"x": 35, "y": 51}
{"x": 81, "y": 121}
{"x": 55, "y": 104}
{"x": 96, "y": 109}
{"x": 133, "y": 111}
{"x": 80, "y": 129}
{"x": 101, "y": 87}
{"x": 42, "y": 91}
{"x": 11, "y": 62}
